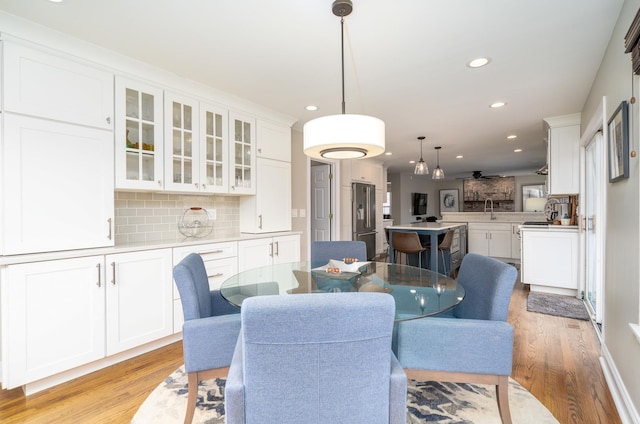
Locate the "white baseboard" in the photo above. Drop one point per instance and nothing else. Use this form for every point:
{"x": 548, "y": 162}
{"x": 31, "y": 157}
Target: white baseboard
{"x": 624, "y": 404}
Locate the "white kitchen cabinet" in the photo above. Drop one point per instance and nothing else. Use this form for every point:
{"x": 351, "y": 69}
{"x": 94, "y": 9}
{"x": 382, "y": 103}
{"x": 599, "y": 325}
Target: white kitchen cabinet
{"x": 139, "y": 135}
{"x": 261, "y": 252}
{"x": 53, "y": 317}
{"x": 515, "y": 241}
{"x": 213, "y": 152}
{"x": 273, "y": 141}
{"x": 57, "y": 188}
{"x": 182, "y": 132}
{"x": 550, "y": 259}
{"x": 564, "y": 154}
{"x": 490, "y": 239}
{"x": 220, "y": 261}
{"x": 139, "y": 298}
{"x": 242, "y": 161}
{"x": 52, "y": 86}
{"x": 270, "y": 209}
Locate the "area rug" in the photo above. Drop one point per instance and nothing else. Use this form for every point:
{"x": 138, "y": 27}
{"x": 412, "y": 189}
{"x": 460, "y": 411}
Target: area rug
{"x": 553, "y": 304}
{"x": 430, "y": 401}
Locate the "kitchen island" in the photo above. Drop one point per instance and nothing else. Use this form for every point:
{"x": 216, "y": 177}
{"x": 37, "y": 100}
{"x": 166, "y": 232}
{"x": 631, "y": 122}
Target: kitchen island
{"x": 433, "y": 230}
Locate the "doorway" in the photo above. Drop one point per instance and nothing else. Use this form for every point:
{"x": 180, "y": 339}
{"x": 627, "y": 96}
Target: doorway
{"x": 321, "y": 189}
{"x": 594, "y": 202}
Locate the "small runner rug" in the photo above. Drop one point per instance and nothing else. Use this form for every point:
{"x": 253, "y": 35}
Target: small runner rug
{"x": 553, "y": 304}
{"x": 431, "y": 402}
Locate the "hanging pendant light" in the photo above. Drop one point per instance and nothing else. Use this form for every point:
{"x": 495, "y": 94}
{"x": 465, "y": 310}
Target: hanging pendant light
{"x": 421, "y": 166}
{"x": 438, "y": 173}
{"x": 344, "y": 136}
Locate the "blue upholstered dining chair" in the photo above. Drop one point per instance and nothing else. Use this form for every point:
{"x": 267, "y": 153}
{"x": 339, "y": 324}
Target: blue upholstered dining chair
{"x": 210, "y": 330}
{"x": 474, "y": 344}
{"x": 315, "y": 359}
{"x": 323, "y": 251}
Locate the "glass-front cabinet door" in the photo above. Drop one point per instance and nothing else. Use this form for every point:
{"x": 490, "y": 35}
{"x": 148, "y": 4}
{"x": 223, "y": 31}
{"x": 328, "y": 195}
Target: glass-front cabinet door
{"x": 214, "y": 160}
{"x": 243, "y": 142}
{"x": 182, "y": 138}
{"x": 138, "y": 139}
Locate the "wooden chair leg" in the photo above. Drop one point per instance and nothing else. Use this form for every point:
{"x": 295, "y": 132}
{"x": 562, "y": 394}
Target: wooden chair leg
{"x": 192, "y": 396}
{"x": 502, "y": 394}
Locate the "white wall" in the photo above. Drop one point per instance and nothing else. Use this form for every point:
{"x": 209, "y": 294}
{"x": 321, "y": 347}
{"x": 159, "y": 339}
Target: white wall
{"x": 622, "y": 280}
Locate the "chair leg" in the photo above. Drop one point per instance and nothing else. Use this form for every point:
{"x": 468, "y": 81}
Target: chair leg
{"x": 192, "y": 396}
{"x": 502, "y": 394}
{"x": 444, "y": 263}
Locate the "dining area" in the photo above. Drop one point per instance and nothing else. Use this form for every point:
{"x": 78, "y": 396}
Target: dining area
{"x": 294, "y": 339}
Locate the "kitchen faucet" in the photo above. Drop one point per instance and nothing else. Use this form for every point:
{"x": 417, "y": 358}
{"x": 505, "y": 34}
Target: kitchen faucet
{"x": 491, "y": 204}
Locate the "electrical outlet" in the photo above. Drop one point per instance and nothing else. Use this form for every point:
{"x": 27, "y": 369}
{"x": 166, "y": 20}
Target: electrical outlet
{"x": 303, "y": 213}
{"x": 294, "y": 213}
{"x": 211, "y": 213}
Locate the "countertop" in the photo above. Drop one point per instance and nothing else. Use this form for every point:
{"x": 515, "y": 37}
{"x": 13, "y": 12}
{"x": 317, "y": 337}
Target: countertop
{"x": 513, "y": 217}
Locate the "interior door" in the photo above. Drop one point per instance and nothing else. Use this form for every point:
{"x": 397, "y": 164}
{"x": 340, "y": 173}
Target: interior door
{"x": 594, "y": 201}
{"x": 320, "y": 202}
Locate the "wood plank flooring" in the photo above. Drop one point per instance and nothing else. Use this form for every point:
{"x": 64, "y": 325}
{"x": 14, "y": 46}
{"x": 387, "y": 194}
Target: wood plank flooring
{"x": 555, "y": 358}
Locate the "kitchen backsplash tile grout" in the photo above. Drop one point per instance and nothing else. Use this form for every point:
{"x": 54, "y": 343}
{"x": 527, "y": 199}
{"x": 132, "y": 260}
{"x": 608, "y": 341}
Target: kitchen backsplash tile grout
{"x": 142, "y": 216}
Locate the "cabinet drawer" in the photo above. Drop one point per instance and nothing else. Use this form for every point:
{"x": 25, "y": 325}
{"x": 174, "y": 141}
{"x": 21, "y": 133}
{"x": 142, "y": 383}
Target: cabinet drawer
{"x": 490, "y": 226}
{"x": 220, "y": 261}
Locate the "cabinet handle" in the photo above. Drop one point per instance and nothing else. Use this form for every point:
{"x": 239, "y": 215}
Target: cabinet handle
{"x": 204, "y": 186}
{"x": 109, "y": 221}
{"x": 108, "y": 119}
{"x": 260, "y": 219}
{"x": 195, "y": 184}
{"x": 113, "y": 270}
{"x": 271, "y": 250}
{"x": 277, "y": 249}
{"x": 211, "y": 251}
{"x": 220, "y": 274}
{"x": 233, "y": 188}
{"x": 159, "y": 182}
{"x": 99, "y": 283}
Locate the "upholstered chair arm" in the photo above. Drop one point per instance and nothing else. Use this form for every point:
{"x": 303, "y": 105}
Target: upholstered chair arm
{"x": 209, "y": 342}
{"x": 234, "y": 388}
{"x": 456, "y": 345}
{"x": 397, "y": 393}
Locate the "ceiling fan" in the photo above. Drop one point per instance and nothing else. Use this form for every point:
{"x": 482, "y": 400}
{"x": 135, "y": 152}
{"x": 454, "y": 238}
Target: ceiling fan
{"x": 477, "y": 175}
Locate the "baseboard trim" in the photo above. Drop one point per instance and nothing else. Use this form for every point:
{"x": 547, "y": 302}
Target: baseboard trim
{"x": 624, "y": 404}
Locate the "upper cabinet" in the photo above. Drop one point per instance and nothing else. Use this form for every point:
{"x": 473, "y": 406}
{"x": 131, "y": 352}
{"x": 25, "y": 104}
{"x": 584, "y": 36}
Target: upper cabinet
{"x": 274, "y": 141}
{"x": 49, "y": 86}
{"x": 243, "y": 143}
{"x": 138, "y": 139}
{"x": 214, "y": 149}
{"x": 564, "y": 154}
{"x": 181, "y": 170}
{"x": 57, "y": 153}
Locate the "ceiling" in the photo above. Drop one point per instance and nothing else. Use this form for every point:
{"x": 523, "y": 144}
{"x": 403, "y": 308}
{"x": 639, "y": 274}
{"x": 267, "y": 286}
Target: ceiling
{"x": 405, "y": 63}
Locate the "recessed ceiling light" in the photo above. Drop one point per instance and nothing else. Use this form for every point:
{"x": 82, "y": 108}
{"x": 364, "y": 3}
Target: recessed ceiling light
{"x": 478, "y": 62}
{"x": 311, "y": 107}
{"x": 412, "y": 161}
{"x": 512, "y": 136}
{"x": 497, "y": 104}
{"x": 55, "y": 1}
{"x": 459, "y": 157}
{"x": 517, "y": 150}
{"x": 388, "y": 153}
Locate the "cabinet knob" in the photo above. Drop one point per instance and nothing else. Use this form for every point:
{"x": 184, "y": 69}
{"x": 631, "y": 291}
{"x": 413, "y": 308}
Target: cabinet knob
{"x": 108, "y": 120}
{"x": 159, "y": 182}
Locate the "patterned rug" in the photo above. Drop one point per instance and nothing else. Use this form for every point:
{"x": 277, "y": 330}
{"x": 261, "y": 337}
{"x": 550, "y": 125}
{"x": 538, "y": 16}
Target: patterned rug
{"x": 553, "y": 304}
{"x": 433, "y": 402}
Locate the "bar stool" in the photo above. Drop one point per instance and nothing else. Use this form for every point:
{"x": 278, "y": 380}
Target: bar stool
{"x": 408, "y": 243}
{"x": 445, "y": 244}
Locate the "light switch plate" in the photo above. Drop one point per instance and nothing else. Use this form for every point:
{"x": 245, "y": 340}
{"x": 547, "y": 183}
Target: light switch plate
{"x": 211, "y": 213}
{"x": 303, "y": 213}
{"x": 294, "y": 213}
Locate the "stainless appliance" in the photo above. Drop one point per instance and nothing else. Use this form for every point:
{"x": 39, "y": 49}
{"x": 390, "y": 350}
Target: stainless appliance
{"x": 363, "y": 221}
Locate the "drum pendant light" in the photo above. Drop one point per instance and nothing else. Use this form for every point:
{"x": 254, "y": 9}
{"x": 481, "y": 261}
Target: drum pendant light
{"x": 438, "y": 173}
{"x": 421, "y": 166}
{"x": 344, "y": 136}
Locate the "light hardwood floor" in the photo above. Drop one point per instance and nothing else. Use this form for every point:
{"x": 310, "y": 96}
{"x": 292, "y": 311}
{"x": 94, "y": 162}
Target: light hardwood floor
{"x": 555, "y": 358}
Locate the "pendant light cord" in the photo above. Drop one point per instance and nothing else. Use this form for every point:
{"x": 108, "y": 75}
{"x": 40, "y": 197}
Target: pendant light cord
{"x": 342, "y": 54}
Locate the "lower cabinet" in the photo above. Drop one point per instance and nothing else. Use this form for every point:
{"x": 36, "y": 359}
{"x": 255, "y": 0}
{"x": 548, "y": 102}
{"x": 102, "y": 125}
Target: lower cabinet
{"x": 139, "y": 292}
{"x": 490, "y": 239}
{"x": 515, "y": 241}
{"x": 53, "y": 317}
{"x": 255, "y": 253}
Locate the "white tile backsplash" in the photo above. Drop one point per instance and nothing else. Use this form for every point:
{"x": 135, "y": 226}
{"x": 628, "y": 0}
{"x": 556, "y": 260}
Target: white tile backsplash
{"x": 142, "y": 216}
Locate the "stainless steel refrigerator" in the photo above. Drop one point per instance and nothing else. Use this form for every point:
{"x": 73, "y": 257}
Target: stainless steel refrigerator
{"x": 363, "y": 199}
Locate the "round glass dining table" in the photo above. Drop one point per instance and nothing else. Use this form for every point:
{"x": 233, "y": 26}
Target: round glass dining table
{"x": 417, "y": 292}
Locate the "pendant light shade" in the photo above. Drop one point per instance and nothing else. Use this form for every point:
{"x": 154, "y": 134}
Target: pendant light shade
{"x": 438, "y": 173}
{"x": 421, "y": 166}
{"x": 343, "y": 136}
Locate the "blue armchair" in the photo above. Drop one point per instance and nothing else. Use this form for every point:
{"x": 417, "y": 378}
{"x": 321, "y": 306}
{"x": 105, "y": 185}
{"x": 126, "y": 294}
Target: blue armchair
{"x": 322, "y": 251}
{"x": 474, "y": 344}
{"x": 316, "y": 358}
{"x": 210, "y": 330}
